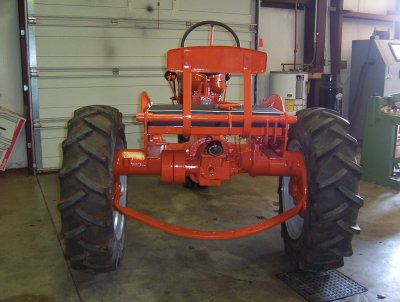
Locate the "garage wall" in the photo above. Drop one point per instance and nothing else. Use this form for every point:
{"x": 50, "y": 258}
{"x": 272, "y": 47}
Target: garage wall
{"x": 10, "y": 73}
{"x": 277, "y": 31}
{"x": 107, "y": 52}
{"x": 87, "y": 52}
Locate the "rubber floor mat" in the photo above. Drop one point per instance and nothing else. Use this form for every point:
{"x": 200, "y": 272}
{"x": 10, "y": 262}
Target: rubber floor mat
{"x": 322, "y": 287}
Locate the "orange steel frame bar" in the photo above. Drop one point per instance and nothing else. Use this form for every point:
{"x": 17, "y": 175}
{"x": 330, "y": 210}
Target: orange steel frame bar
{"x": 264, "y": 152}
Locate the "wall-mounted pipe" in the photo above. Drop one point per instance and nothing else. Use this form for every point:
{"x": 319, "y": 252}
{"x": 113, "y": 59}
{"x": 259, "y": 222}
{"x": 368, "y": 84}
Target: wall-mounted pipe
{"x": 315, "y": 32}
{"x": 295, "y": 34}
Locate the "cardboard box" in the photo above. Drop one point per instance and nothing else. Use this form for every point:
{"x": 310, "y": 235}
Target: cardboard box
{"x": 10, "y": 127}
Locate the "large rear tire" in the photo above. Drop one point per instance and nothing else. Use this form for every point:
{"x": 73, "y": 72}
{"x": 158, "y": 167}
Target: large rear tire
{"x": 321, "y": 239}
{"x": 92, "y": 230}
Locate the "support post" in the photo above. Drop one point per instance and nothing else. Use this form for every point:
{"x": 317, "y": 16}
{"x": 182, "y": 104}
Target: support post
{"x": 23, "y": 31}
{"x": 314, "y": 45}
{"x": 397, "y": 23}
{"x": 336, "y": 24}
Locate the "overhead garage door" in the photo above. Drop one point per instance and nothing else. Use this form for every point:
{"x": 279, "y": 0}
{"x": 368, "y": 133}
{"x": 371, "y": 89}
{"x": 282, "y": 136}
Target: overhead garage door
{"x": 85, "y": 52}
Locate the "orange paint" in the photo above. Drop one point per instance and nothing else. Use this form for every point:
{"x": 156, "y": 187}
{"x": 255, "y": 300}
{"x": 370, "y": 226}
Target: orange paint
{"x": 259, "y": 149}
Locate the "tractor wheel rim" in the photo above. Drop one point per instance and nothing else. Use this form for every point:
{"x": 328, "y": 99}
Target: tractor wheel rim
{"x": 118, "y": 218}
{"x": 294, "y": 226}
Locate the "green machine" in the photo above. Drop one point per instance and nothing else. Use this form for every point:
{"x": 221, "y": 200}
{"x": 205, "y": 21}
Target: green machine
{"x": 380, "y": 155}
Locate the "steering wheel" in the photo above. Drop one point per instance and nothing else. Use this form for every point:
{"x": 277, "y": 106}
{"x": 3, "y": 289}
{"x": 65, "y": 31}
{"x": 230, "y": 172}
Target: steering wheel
{"x": 212, "y": 24}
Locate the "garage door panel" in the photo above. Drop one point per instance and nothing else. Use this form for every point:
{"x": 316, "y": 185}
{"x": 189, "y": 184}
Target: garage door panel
{"x": 85, "y": 73}
{"x": 228, "y": 10}
{"x": 146, "y": 31}
{"x": 76, "y": 11}
{"x": 111, "y": 11}
{"x": 236, "y": 7}
{"x": 62, "y": 101}
{"x": 81, "y": 46}
{"x": 133, "y": 128}
{"x": 62, "y": 28}
{"x": 114, "y": 33}
{"x": 108, "y": 51}
{"x": 50, "y": 162}
{"x": 112, "y": 47}
{"x": 88, "y": 3}
{"x": 137, "y": 81}
{"x": 234, "y": 93}
{"x": 51, "y": 147}
{"x": 218, "y": 16}
{"x": 166, "y": 4}
{"x": 137, "y": 61}
{"x": 100, "y": 61}
{"x": 59, "y": 131}
{"x": 76, "y": 8}
{"x": 62, "y": 97}
{"x": 71, "y": 97}
{"x": 67, "y": 112}
{"x": 134, "y": 135}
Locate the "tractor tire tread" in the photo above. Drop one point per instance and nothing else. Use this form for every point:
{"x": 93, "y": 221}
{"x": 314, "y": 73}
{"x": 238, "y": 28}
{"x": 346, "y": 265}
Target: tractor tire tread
{"x": 91, "y": 184}
{"x": 345, "y": 136}
{"x": 338, "y": 119}
{"x": 333, "y": 184}
{"x": 77, "y": 137}
{"x": 90, "y": 218}
{"x": 86, "y": 180}
{"x": 328, "y": 149}
{"x": 73, "y": 232}
{"x": 92, "y": 247}
{"x": 331, "y": 242}
{"x": 78, "y": 257}
{"x": 352, "y": 229}
{"x": 348, "y": 194}
{"x": 334, "y": 213}
{"x": 65, "y": 172}
{"x": 71, "y": 200}
{"x": 343, "y": 251}
{"x": 318, "y": 128}
{"x": 350, "y": 164}
{"x": 96, "y": 267}
{"x": 332, "y": 179}
{"x": 92, "y": 123}
{"x": 93, "y": 153}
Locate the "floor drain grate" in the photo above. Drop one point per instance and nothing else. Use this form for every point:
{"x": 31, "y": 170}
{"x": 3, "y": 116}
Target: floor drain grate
{"x": 322, "y": 287}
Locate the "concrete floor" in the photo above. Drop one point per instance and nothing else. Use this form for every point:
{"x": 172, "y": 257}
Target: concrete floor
{"x": 160, "y": 267}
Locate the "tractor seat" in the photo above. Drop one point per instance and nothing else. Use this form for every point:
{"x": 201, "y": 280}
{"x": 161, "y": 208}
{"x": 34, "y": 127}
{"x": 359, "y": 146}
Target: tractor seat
{"x": 211, "y": 109}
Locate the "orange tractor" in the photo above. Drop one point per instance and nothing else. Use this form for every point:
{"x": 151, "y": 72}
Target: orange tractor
{"x": 312, "y": 153}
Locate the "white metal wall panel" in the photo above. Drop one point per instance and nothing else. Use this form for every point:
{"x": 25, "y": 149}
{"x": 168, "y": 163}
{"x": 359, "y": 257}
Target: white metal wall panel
{"x": 86, "y": 52}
